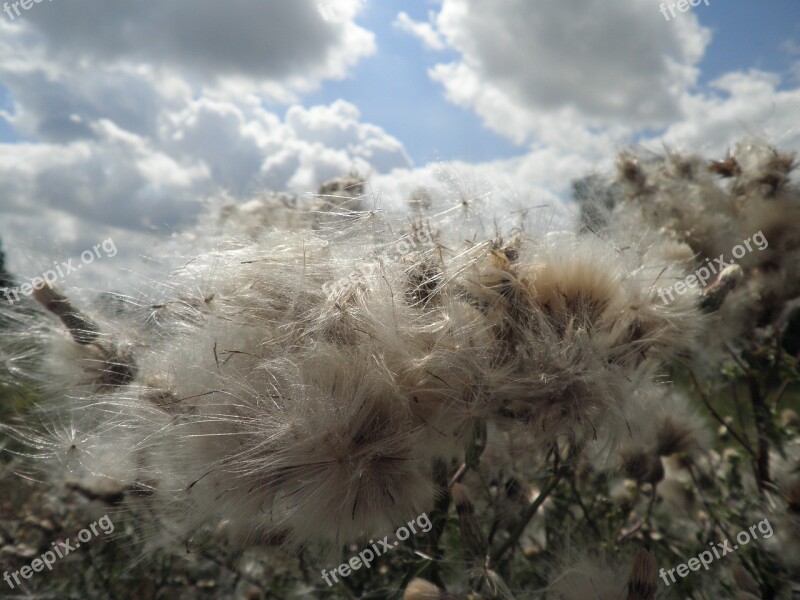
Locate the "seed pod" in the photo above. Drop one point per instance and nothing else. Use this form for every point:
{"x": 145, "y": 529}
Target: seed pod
{"x": 420, "y": 589}
{"x": 475, "y": 543}
{"x": 745, "y": 581}
{"x": 715, "y": 294}
{"x": 82, "y": 329}
{"x": 643, "y": 467}
{"x": 643, "y": 580}
{"x": 725, "y": 168}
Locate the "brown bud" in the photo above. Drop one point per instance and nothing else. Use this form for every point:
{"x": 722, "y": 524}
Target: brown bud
{"x": 790, "y": 418}
{"x": 643, "y": 580}
{"x": 792, "y": 497}
{"x": 672, "y": 439}
{"x": 630, "y": 171}
{"x": 82, "y": 329}
{"x": 744, "y": 580}
{"x": 715, "y": 294}
{"x": 725, "y": 168}
{"x": 643, "y": 467}
{"x": 475, "y": 542}
{"x": 419, "y": 589}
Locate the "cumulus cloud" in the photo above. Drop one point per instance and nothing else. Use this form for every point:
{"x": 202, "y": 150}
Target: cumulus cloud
{"x": 131, "y": 125}
{"x": 568, "y": 62}
{"x": 792, "y": 49}
{"x": 247, "y": 148}
{"x": 267, "y": 41}
{"x": 424, "y": 31}
{"x": 737, "y": 105}
{"x": 321, "y": 142}
{"x": 118, "y": 178}
{"x": 576, "y": 82}
{"x": 57, "y": 198}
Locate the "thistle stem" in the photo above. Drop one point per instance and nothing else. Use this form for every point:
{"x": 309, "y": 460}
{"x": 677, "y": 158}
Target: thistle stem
{"x": 527, "y": 516}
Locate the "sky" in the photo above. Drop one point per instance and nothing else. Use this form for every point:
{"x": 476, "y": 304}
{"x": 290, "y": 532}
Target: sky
{"x": 124, "y": 120}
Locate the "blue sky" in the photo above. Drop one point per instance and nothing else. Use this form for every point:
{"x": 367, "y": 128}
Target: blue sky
{"x": 7, "y": 133}
{"x": 127, "y": 119}
{"x": 749, "y": 34}
{"x": 746, "y": 34}
{"x": 400, "y": 97}
{"x": 392, "y": 88}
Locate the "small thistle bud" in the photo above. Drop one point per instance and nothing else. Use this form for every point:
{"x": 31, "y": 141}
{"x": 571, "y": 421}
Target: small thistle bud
{"x": 82, "y": 329}
{"x": 725, "y": 168}
{"x": 715, "y": 294}
{"x": 475, "y": 543}
{"x": 532, "y": 553}
{"x": 683, "y": 167}
{"x": 420, "y": 201}
{"x": 792, "y": 497}
{"x": 343, "y": 187}
{"x": 630, "y": 171}
{"x": 106, "y": 364}
{"x": 517, "y": 492}
{"x": 672, "y": 439}
{"x": 118, "y": 367}
{"x": 643, "y": 467}
{"x": 777, "y": 173}
{"x": 731, "y": 455}
{"x": 420, "y": 589}
{"x": 336, "y": 196}
{"x": 643, "y": 580}
{"x": 744, "y": 580}
{"x": 722, "y": 431}
{"x": 680, "y": 431}
{"x": 423, "y": 280}
{"x": 790, "y": 418}
{"x": 159, "y": 392}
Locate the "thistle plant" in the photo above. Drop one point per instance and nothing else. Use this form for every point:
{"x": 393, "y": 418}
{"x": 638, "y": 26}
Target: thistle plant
{"x": 529, "y": 390}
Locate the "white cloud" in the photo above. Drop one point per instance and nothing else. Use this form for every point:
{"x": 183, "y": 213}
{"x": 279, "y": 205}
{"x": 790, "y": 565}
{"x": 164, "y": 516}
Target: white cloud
{"x": 339, "y": 126}
{"x": 131, "y": 126}
{"x": 737, "y": 105}
{"x": 270, "y": 41}
{"x": 123, "y": 139}
{"x": 116, "y": 180}
{"x": 561, "y": 64}
{"x": 790, "y": 47}
{"x": 322, "y": 142}
{"x": 424, "y": 31}
{"x": 579, "y": 81}
{"x": 119, "y": 178}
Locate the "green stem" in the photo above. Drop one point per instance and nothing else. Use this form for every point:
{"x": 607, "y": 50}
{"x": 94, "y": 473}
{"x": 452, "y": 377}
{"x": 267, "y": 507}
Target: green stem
{"x": 527, "y": 516}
